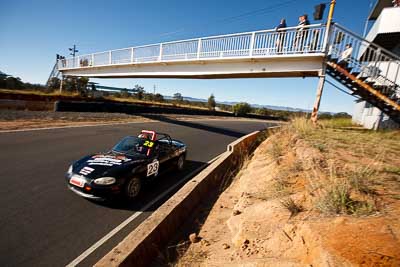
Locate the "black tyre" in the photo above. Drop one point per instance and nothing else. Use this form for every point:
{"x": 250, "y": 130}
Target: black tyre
{"x": 133, "y": 187}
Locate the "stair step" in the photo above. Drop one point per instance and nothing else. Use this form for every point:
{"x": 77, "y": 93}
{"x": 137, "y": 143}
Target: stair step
{"x": 334, "y": 60}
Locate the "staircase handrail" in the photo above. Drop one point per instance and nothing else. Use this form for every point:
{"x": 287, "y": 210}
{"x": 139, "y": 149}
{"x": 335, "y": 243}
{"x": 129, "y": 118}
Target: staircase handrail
{"x": 386, "y": 51}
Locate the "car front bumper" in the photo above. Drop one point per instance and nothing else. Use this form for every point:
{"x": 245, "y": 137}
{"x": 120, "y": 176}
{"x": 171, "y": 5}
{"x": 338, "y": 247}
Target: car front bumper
{"x": 85, "y": 195}
{"x": 96, "y": 192}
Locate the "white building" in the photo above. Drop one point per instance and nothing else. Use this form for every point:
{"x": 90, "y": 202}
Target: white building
{"x": 385, "y": 32}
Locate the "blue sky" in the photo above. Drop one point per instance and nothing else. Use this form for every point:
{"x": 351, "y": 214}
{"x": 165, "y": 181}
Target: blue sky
{"x": 32, "y": 32}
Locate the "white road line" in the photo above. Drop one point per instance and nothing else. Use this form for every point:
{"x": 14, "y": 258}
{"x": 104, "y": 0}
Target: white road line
{"x": 96, "y": 245}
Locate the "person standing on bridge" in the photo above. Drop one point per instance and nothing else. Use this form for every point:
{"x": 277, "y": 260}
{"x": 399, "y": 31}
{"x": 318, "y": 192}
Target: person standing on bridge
{"x": 301, "y": 33}
{"x": 280, "y": 36}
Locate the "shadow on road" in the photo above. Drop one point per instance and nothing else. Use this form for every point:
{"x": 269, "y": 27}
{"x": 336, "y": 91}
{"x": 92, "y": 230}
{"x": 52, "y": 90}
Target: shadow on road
{"x": 195, "y": 125}
{"x": 154, "y": 188}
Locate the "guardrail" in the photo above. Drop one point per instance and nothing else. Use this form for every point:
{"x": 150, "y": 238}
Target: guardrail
{"x": 287, "y": 41}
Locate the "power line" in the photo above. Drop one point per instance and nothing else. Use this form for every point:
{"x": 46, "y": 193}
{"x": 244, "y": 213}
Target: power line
{"x": 259, "y": 11}
{"x": 243, "y": 16}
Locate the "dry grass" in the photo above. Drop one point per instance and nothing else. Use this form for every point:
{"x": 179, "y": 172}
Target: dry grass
{"x": 337, "y": 123}
{"x": 37, "y": 92}
{"x": 293, "y": 207}
{"x": 276, "y": 151}
{"x": 356, "y": 167}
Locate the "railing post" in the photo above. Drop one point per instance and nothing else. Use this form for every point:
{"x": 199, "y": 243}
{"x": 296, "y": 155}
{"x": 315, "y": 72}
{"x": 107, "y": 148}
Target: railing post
{"x": 92, "y": 60}
{"x": 253, "y": 36}
{"x": 314, "y": 114}
{"x": 328, "y": 26}
{"x": 109, "y": 58}
{"x": 78, "y": 64}
{"x": 131, "y": 54}
{"x": 199, "y": 49}
{"x": 161, "y": 48}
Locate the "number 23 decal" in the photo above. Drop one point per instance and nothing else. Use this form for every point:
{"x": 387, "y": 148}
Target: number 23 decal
{"x": 148, "y": 144}
{"x": 152, "y": 168}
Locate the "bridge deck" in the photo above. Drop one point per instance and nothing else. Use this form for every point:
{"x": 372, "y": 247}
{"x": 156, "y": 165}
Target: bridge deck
{"x": 291, "y": 52}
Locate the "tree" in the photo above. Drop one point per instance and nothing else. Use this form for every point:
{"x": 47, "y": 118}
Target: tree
{"x": 211, "y": 102}
{"x": 70, "y": 84}
{"x": 14, "y": 83}
{"x": 81, "y": 84}
{"x": 77, "y": 84}
{"x": 54, "y": 83}
{"x": 139, "y": 91}
{"x": 158, "y": 98}
{"x": 241, "y": 109}
{"x": 178, "y": 97}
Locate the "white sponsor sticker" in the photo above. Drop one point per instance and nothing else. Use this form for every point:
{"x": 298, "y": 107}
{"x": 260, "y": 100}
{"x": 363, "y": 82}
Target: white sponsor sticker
{"x": 152, "y": 168}
{"x": 86, "y": 170}
{"x": 104, "y": 161}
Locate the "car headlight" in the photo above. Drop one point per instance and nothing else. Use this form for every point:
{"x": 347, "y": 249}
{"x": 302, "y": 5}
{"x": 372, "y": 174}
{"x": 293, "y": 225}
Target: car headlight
{"x": 105, "y": 180}
{"x": 69, "y": 170}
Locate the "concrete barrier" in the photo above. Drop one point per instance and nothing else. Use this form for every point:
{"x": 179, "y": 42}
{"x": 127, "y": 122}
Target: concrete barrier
{"x": 143, "y": 244}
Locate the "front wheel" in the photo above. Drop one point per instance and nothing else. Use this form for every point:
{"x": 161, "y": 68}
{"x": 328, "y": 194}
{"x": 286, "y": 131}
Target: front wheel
{"x": 180, "y": 163}
{"x": 133, "y": 187}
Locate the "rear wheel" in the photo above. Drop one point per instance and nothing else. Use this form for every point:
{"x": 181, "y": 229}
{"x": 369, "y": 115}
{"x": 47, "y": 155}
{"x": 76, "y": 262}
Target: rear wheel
{"x": 133, "y": 187}
{"x": 180, "y": 163}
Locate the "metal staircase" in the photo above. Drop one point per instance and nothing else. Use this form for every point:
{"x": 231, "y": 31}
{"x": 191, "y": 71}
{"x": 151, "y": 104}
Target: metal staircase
{"x": 55, "y": 73}
{"x": 371, "y": 73}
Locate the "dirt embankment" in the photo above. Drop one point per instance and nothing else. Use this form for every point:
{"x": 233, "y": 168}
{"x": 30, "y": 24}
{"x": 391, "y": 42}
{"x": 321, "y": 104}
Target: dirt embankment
{"x": 327, "y": 197}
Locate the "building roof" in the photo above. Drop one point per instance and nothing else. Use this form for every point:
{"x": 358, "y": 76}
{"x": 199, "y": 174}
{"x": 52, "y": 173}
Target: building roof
{"x": 379, "y": 6}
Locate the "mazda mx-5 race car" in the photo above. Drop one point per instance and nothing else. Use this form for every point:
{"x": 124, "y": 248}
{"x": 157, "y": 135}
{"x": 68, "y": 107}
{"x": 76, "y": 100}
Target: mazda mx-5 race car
{"x": 125, "y": 168}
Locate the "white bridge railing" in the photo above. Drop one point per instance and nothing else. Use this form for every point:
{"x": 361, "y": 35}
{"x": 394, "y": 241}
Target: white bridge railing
{"x": 267, "y": 43}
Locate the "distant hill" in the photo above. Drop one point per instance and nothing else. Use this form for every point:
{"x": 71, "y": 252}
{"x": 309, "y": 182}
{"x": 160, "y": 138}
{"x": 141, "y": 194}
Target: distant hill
{"x": 253, "y": 105}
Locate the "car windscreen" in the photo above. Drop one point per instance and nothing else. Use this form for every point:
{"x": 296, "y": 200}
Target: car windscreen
{"x": 133, "y": 145}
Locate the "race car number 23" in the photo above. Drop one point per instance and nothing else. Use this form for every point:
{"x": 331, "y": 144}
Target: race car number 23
{"x": 148, "y": 144}
{"x": 152, "y": 168}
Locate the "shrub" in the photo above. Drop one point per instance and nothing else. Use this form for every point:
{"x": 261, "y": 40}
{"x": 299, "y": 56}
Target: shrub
{"x": 241, "y": 109}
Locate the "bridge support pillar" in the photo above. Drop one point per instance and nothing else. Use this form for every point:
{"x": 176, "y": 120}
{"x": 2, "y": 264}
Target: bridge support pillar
{"x": 320, "y": 89}
{"x": 61, "y": 83}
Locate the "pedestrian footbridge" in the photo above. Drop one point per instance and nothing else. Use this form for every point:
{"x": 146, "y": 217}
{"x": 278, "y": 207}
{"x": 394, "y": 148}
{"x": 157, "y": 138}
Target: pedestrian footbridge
{"x": 268, "y": 53}
{"x": 371, "y": 73}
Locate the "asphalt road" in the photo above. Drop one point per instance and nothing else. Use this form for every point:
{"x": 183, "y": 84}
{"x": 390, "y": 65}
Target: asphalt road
{"x": 42, "y": 223}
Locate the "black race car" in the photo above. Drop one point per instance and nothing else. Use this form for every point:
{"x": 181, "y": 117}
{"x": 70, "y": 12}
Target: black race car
{"x": 126, "y": 166}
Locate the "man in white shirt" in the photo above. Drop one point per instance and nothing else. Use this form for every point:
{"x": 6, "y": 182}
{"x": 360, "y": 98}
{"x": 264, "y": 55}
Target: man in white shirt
{"x": 346, "y": 55}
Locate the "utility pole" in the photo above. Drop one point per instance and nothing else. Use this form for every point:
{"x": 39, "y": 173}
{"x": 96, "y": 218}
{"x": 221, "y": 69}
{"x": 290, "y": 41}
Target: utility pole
{"x": 314, "y": 115}
{"x": 73, "y": 50}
